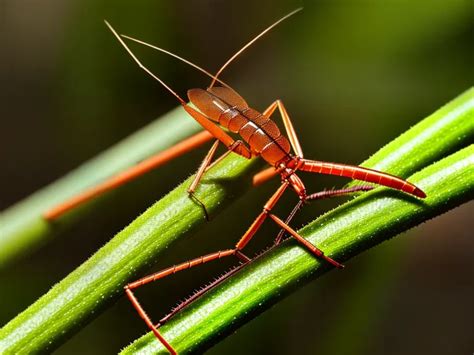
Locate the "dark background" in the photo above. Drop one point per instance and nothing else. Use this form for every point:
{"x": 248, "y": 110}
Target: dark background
{"x": 353, "y": 75}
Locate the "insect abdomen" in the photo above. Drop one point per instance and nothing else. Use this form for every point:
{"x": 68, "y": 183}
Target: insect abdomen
{"x": 260, "y": 132}
{"x": 232, "y": 112}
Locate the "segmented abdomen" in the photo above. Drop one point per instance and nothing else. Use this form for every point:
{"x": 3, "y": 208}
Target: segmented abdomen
{"x": 260, "y": 132}
{"x": 230, "y": 110}
{"x": 363, "y": 174}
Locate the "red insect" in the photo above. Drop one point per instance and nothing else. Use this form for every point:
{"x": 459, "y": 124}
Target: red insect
{"x": 221, "y": 110}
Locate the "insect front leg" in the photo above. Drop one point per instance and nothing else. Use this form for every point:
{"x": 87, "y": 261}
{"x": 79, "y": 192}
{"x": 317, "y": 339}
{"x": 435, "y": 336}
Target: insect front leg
{"x": 232, "y": 145}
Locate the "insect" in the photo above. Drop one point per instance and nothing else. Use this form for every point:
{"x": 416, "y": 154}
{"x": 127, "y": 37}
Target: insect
{"x": 221, "y": 111}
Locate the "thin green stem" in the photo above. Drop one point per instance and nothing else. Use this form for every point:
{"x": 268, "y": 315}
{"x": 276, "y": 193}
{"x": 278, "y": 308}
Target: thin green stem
{"x": 22, "y": 229}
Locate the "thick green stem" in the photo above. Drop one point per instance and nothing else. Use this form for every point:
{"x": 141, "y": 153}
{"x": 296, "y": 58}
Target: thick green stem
{"x": 343, "y": 233}
{"x": 100, "y": 280}
{"x": 446, "y": 130}
{"x": 86, "y": 291}
{"x": 21, "y": 227}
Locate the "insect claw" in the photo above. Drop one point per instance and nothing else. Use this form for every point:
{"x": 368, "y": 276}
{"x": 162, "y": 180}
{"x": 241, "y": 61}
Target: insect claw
{"x": 333, "y": 262}
{"x": 203, "y": 206}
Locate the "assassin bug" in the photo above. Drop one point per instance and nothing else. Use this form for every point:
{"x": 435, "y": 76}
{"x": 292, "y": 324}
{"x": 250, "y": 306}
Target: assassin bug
{"x": 221, "y": 110}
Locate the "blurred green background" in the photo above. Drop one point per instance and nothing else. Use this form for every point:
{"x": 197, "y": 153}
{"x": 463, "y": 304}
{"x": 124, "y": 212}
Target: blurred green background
{"x": 353, "y": 75}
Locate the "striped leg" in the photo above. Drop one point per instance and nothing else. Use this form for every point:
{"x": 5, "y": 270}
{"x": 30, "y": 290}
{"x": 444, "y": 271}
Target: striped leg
{"x": 129, "y": 174}
{"x": 166, "y": 272}
{"x": 237, "y": 251}
{"x": 267, "y": 213}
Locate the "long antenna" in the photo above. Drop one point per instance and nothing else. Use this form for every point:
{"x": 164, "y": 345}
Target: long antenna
{"x": 148, "y": 71}
{"x": 250, "y": 43}
{"x": 177, "y": 57}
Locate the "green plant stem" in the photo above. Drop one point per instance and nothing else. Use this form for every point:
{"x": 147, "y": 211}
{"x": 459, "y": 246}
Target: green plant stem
{"x": 21, "y": 227}
{"x": 445, "y": 131}
{"x": 88, "y": 290}
{"x": 100, "y": 280}
{"x": 343, "y": 233}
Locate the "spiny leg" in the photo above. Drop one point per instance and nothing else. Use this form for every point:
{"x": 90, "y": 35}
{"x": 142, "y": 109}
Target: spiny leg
{"x": 166, "y": 272}
{"x": 129, "y": 174}
{"x": 196, "y": 295}
{"x": 255, "y": 226}
{"x": 318, "y": 196}
{"x": 149, "y": 323}
{"x": 237, "y": 251}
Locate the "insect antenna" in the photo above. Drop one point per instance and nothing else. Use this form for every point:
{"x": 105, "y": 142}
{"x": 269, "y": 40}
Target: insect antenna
{"x": 252, "y": 42}
{"x": 177, "y": 57}
{"x": 148, "y": 71}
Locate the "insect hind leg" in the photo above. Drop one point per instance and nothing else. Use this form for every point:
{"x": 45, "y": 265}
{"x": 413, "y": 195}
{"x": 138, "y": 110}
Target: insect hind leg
{"x": 319, "y": 196}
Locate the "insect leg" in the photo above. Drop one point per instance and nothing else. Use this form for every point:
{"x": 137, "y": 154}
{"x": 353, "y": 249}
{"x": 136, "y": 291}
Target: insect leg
{"x": 129, "y": 174}
{"x": 308, "y": 245}
{"x": 290, "y": 130}
{"x": 197, "y": 178}
{"x": 255, "y": 226}
{"x": 231, "y": 144}
{"x": 206, "y": 164}
{"x": 264, "y": 175}
{"x": 161, "y": 274}
{"x": 318, "y": 196}
{"x": 237, "y": 251}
